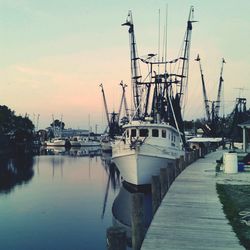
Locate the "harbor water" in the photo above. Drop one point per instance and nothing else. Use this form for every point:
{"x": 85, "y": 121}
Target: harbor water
{"x": 62, "y": 200}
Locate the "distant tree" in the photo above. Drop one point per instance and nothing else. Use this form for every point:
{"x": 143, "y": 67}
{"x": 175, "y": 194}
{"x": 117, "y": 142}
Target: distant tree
{"x": 20, "y": 126}
{"x": 23, "y": 123}
{"x": 6, "y": 119}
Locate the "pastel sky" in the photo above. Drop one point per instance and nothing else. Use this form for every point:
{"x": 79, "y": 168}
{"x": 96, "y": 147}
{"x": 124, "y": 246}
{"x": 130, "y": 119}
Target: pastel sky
{"x": 55, "y": 53}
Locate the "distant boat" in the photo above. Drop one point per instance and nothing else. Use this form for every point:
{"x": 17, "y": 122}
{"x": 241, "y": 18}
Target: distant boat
{"x": 57, "y": 142}
{"x": 88, "y": 142}
{"x": 84, "y": 141}
{"x": 106, "y": 143}
{"x": 74, "y": 142}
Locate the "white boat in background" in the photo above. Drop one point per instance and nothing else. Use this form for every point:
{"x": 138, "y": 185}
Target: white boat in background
{"x": 56, "y": 142}
{"x": 88, "y": 142}
{"x": 144, "y": 149}
{"x": 84, "y": 141}
{"x": 74, "y": 142}
{"x": 106, "y": 143}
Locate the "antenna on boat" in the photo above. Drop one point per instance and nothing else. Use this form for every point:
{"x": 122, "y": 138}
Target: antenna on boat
{"x": 37, "y": 122}
{"x": 184, "y": 67}
{"x": 159, "y": 38}
{"x": 204, "y": 91}
{"x": 61, "y": 126}
{"x": 175, "y": 120}
{"x": 165, "y": 38}
{"x": 135, "y": 69}
{"x": 221, "y": 80}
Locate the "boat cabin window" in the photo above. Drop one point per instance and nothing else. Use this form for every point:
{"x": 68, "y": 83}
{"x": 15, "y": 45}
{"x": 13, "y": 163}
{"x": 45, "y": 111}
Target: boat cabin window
{"x": 155, "y": 133}
{"x": 163, "y": 133}
{"x": 133, "y": 132}
{"x": 143, "y": 132}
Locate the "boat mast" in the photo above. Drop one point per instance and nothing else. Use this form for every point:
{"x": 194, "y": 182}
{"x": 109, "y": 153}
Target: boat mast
{"x": 134, "y": 64}
{"x": 123, "y": 101}
{"x": 105, "y": 104}
{"x": 204, "y": 90}
{"x": 185, "y": 55}
{"x": 218, "y": 101}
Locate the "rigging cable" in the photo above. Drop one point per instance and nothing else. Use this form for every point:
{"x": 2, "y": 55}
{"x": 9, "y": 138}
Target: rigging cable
{"x": 175, "y": 121}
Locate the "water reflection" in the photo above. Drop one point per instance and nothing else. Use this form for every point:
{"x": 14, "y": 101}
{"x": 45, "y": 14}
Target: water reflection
{"x": 122, "y": 207}
{"x": 113, "y": 178}
{"x": 15, "y": 171}
{"x": 68, "y": 202}
{"x": 73, "y": 151}
{"x": 66, "y": 189}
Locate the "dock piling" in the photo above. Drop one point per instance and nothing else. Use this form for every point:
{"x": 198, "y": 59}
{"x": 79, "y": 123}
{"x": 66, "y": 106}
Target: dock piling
{"x": 164, "y": 181}
{"x": 156, "y": 192}
{"x": 116, "y": 238}
{"x": 138, "y": 221}
{"x": 177, "y": 167}
{"x": 182, "y": 163}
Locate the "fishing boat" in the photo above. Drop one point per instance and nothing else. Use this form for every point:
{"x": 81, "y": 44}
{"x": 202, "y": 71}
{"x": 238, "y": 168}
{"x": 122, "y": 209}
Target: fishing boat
{"x": 146, "y": 147}
{"x": 106, "y": 143}
{"x": 88, "y": 142}
{"x": 154, "y": 137}
{"x": 114, "y": 120}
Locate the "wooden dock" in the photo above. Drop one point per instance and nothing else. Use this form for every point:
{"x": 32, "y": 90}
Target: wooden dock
{"x": 190, "y": 215}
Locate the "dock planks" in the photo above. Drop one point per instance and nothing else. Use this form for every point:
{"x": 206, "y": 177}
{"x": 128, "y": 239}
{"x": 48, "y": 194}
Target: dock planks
{"x": 190, "y": 215}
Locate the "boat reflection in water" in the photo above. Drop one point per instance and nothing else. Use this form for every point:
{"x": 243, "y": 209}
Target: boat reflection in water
{"x": 85, "y": 151}
{"x": 73, "y": 151}
{"x": 122, "y": 207}
{"x": 114, "y": 179}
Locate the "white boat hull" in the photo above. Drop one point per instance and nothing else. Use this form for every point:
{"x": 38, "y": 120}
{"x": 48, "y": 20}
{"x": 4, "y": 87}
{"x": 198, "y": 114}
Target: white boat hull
{"x": 139, "y": 158}
{"x": 138, "y": 169}
{"x": 55, "y": 143}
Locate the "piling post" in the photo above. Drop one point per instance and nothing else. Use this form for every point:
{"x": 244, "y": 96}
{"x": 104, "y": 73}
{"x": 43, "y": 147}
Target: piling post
{"x": 138, "y": 221}
{"x": 181, "y": 163}
{"x": 172, "y": 173}
{"x": 186, "y": 159}
{"x": 156, "y": 192}
{"x": 195, "y": 157}
{"x": 177, "y": 167}
{"x": 116, "y": 238}
{"x": 163, "y": 181}
{"x": 197, "y": 153}
{"x": 192, "y": 156}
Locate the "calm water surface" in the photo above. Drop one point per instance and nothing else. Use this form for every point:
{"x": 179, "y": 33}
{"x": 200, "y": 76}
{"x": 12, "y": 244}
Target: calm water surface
{"x": 56, "y": 202}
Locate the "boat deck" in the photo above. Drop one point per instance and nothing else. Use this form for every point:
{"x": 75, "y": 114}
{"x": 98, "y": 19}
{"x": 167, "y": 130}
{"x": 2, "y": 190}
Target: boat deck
{"x": 190, "y": 215}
